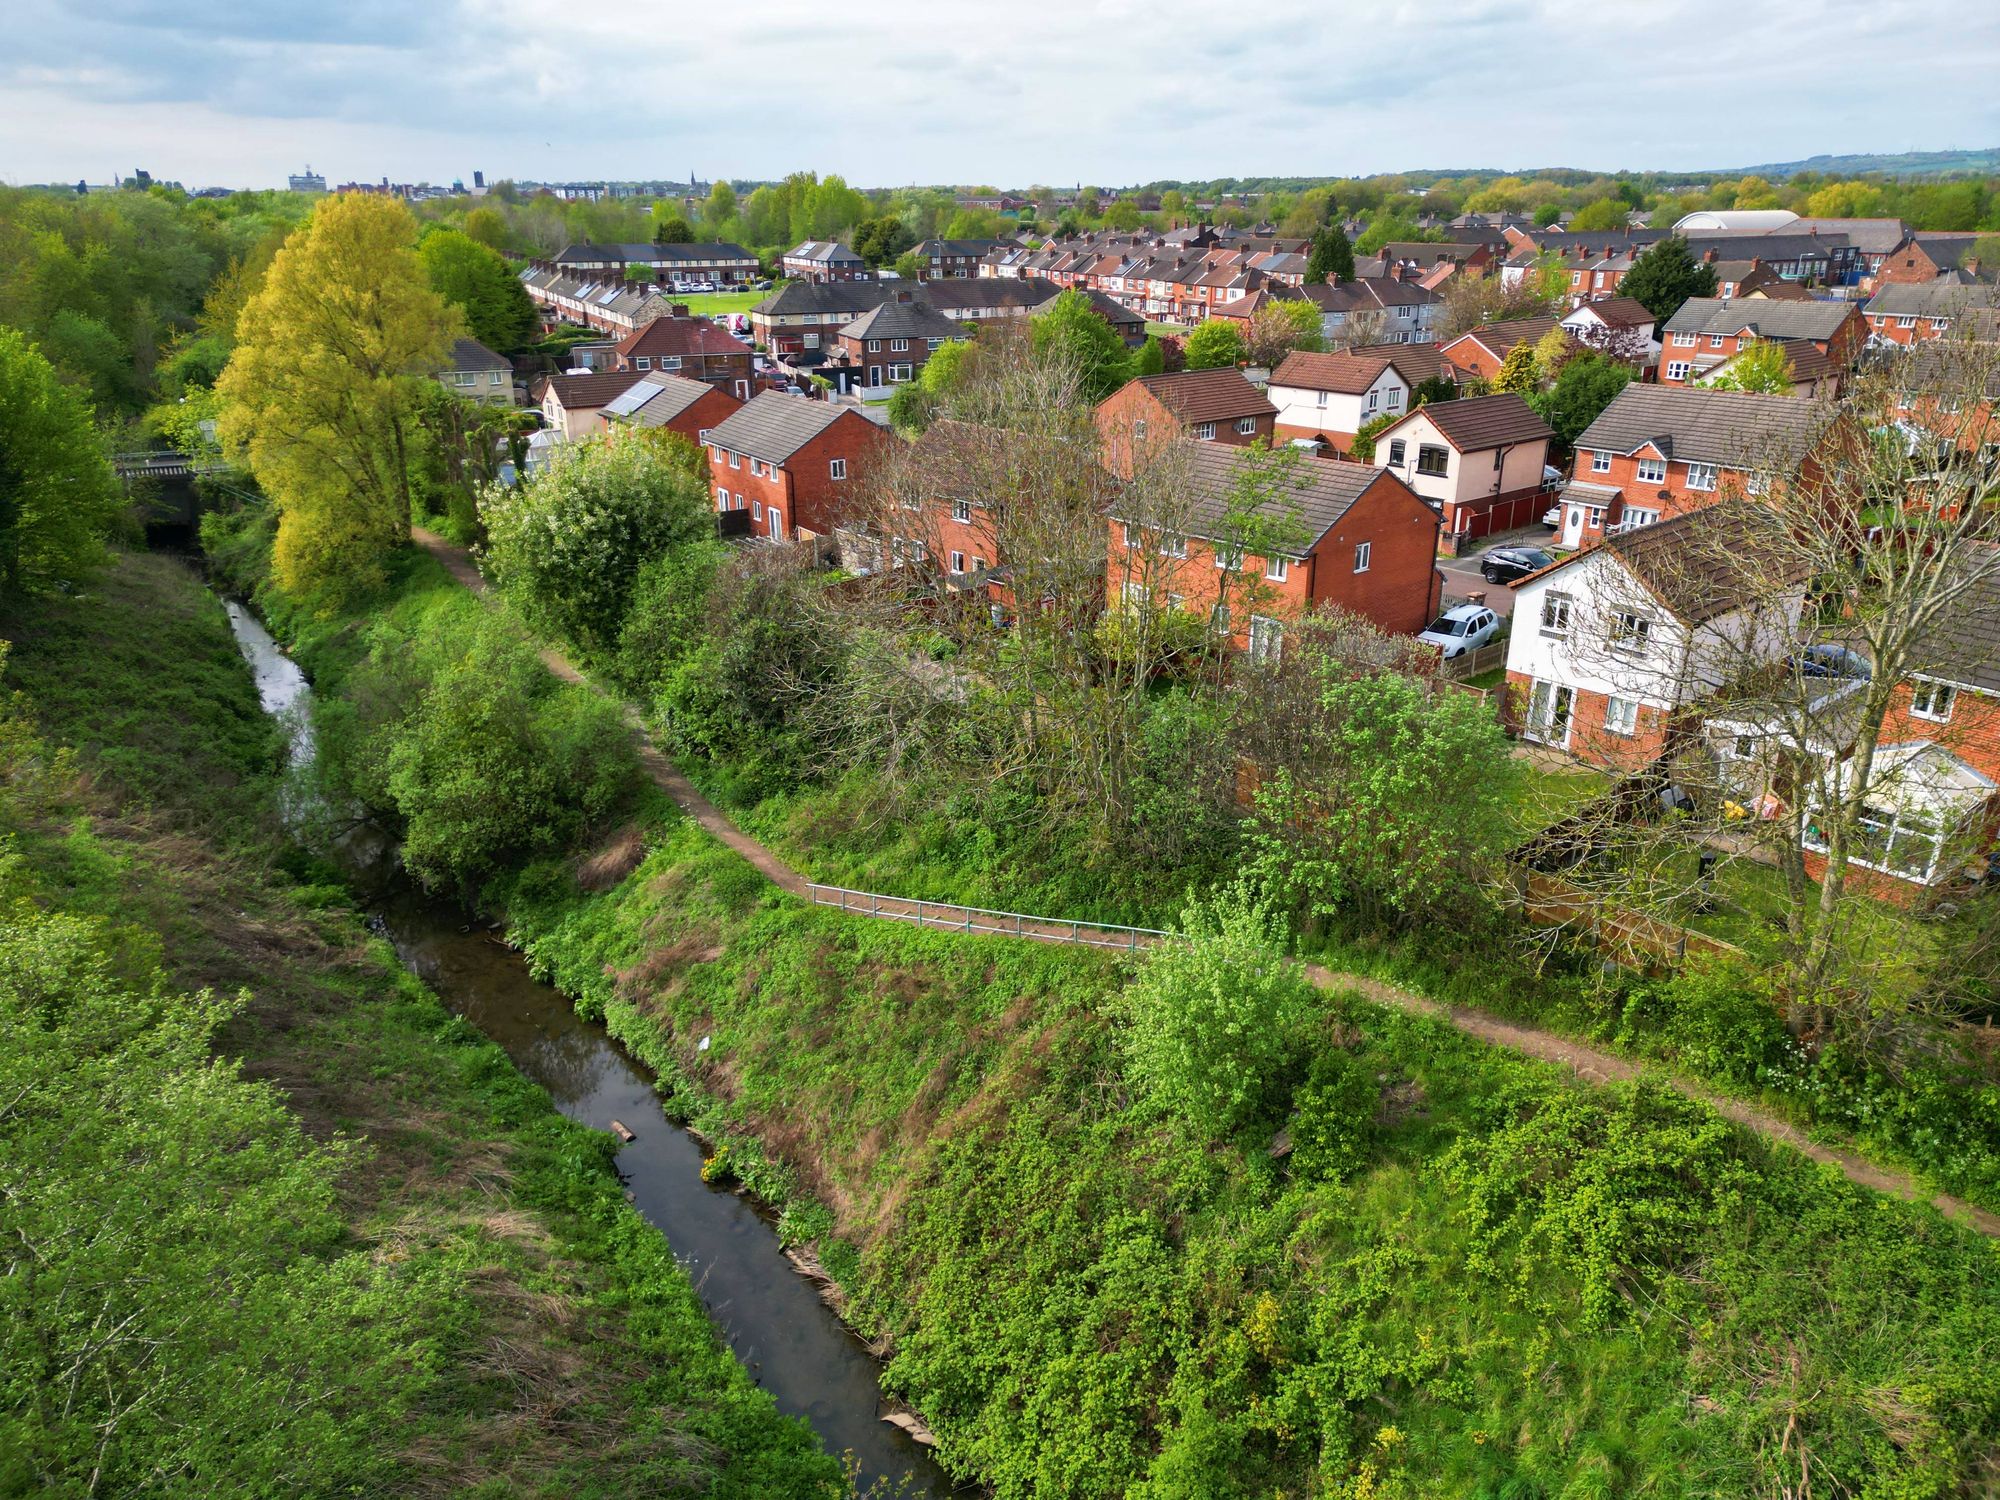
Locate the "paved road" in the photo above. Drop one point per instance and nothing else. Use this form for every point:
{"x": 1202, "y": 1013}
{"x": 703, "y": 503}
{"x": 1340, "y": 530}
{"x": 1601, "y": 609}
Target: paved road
{"x": 1586, "y": 1062}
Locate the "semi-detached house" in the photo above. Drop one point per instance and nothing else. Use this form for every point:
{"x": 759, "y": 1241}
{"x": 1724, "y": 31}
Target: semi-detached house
{"x": 795, "y": 465}
{"x": 671, "y": 403}
{"x": 1327, "y": 398}
{"x": 1909, "y": 312}
{"x": 1705, "y": 331}
{"x": 1478, "y": 461}
{"x": 1209, "y": 406}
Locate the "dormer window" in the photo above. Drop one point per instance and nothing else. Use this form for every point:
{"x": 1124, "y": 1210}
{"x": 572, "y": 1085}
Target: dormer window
{"x": 1652, "y": 471}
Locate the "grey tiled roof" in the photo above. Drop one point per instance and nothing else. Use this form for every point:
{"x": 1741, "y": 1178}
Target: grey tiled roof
{"x": 1767, "y": 318}
{"x": 470, "y": 354}
{"x": 903, "y": 320}
{"x": 658, "y": 399}
{"x": 1689, "y": 424}
{"x": 1941, "y": 298}
{"x": 774, "y": 426}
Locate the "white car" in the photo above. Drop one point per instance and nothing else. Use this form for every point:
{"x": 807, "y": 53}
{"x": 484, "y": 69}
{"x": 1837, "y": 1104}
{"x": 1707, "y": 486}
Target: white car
{"x": 1461, "y": 629}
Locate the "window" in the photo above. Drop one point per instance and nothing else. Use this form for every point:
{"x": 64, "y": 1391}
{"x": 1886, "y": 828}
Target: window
{"x": 1621, "y": 715}
{"x": 777, "y": 523}
{"x": 1173, "y": 546}
{"x": 1229, "y": 557}
{"x": 899, "y": 346}
{"x": 756, "y": 509}
{"x": 1396, "y": 446}
{"x": 1932, "y": 700}
{"x": 1652, "y": 471}
{"x": 1363, "y": 552}
{"x": 933, "y": 344}
{"x": 739, "y": 502}
{"x": 1629, "y": 631}
{"x": 1904, "y": 843}
{"x": 735, "y": 459}
{"x": 1906, "y": 322}
{"x": 1319, "y": 398}
{"x": 1218, "y": 619}
{"x": 1246, "y": 425}
{"x": 838, "y": 468}
{"x": 1139, "y": 428}
{"x": 1677, "y": 369}
{"x": 1267, "y": 638}
{"x": 1600, "y": 463}
{"x": 1374, "y": 399}
{"x": 1432, "y": 459}
{"x": 1205, "y": 431}
{"x": 643, "y": 362}
{"x": 1715, "y": 341}
{"x": 1555, "y": 614}
{"x": 722, "y": 497}
{"x": 1131, "y": 537}
{"x": 464, "y": 377}
{"x": 1278, "y": 569}
{"x": 1637, "y": 516}
{"x": 978, "y": 564}
{"x": 1701, "y": 476}
{"x": 670, "y": 361}
{"x": 1395, "y": 398}
{"x": 958, "y": 562}
{"x": 961, "y": 511}
{"x": 811, "y": 341}
{"x": 874, "y": 346}
{"x": 1686, "y": 340}
{"x": 704, "y": 435}
{"x": 900, "y": 374}
{"x": 1594, "y": 517}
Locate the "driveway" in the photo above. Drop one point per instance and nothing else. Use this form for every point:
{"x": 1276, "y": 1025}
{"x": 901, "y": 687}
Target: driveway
{"x": 1461, "y": 577}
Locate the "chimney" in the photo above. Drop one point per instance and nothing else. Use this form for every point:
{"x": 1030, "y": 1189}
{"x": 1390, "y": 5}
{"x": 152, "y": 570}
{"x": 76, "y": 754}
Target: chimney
{"x": 1971, "y": 264}
{"x": 680, "y": 310}
{"x": 903, "y": 294}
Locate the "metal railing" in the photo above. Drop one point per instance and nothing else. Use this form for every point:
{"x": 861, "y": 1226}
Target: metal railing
{"x": 953, "y": 918}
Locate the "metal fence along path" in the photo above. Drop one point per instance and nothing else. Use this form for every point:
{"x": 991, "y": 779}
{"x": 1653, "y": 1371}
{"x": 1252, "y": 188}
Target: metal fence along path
{"x": 951, "y": 918}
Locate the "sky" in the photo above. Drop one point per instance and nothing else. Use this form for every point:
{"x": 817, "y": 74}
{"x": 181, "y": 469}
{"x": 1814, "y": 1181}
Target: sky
{"x": 239, "y": 93}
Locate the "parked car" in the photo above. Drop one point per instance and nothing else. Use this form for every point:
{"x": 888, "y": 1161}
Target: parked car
{"x": 1463, "y": 628}
{"x": 1828, "y": 660}
{"x": 1505, "y": 564}
{"x": 1552, "y": 517}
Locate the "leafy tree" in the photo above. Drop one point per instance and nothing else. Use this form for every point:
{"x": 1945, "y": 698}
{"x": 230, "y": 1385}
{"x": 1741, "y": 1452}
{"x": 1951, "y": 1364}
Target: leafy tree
{"x": 1362, "y": 450}
{"x": 1332, "y": 256}
{"x": 489, "y": 227}
{"x": 1763, "y": 367}
{"x": 1216, "y": 345}
{"x": 673, "y": 230}
{"x": 58, "y": 497}
{"x": 1665, "y": 275}
{"x": 1152, "y": 358}
{"x": 1277, "y": 328}
{"x": 1605, "y": 213}
{"x": 1074, "y": 330}
{"x": 567, "y": 545}
{"x": 1436, "y": 388}
{"x": 1210, "y": 1020}
{"x": 1586, "y": 385}
{"x": 1389, "y": 229}
{"x": 880, "y": 241}
{"x": 910, "y": 266}
{"x": 475, "y": 280}
{"x": 1983, "y": 252}
{"x": 1518, "y": 371}
{"x": 1400, "y": 809}
{"x": 719, "y": 210}
{"x": 321, "y": 397}
{"x": 1547, "y": 215}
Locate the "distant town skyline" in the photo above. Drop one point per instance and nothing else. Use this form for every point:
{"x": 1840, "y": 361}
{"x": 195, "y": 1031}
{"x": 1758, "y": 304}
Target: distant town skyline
{"x": 240, "y": 93}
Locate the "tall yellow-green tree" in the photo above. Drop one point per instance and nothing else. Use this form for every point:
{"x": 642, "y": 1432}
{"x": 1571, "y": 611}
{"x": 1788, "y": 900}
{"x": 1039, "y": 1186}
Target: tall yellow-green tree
{"x": 321, "y": 397}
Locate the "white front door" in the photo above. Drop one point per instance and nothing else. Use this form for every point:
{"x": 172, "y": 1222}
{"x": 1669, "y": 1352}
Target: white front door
{"x": 1572, "y": 525}
{"x": 1549, "y": 706}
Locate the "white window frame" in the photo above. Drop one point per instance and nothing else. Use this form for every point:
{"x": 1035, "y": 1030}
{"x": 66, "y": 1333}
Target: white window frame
{"x": 1267, "y": 638}
{"x": 837, "y": 469}
{"x": 1278, "y": 569}
{"x": 961, "y": 511}
{"x": 1932, "y": 700}
{"x": 1204, "y": 432}
{"x": 735, "y": 458}
{"x": 643, "y": 362}
{"x": 1364, "y": 555}
{"x": 1636, "y": 516}
{"x": 1701, "y": 476}
{"x": 1651, "y": 471}
{"x": 1173, "y": 546}
{"x": 722, "y": 497}
{"x": 1600, "y": 461}
{"x": 1686, "y": 340}
{"x": 1630, "y": 632}
{"x": 1677, "y": 369}
{"x": 957, "y": 561}
{"x": 670, "y": 361}
{"x": 1556, "y": 610}
{"x": 1246, "y": 425}
{"x": 899, "y": 346}
{"x": 1621, "y": 716}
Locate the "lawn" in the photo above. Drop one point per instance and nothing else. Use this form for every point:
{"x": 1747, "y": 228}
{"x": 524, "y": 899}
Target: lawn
{"x": 1547, "y": 792}
{"x": 707, "y": 304}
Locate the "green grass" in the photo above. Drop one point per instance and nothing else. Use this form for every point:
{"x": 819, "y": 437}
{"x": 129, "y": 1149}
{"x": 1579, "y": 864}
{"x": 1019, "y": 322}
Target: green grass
{"x": 1546, "y": 793}
{"x": 707, "y": 304}
{"x": 551, "y": 1345}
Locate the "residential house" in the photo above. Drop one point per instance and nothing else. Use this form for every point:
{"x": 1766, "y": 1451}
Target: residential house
{"x": 690, "y": 347}
{"x": 1613, "y": 645}
{"x": 939, "y": 259}
{"x": 692, "y": 408}
{"x": 1477, "y": 461}
{"x": 1406, "y": 312}
{"x": 1620, "y": 327}
{"x": 718, "y": 261}
{"x": 822, "y": 261}
{"x": 796, "y": 465}
{"x": 478, "y": 374}
{"x": 1328, "y": 398}
{"x": 1420, "y": 260}
{"x": 1663, "y": 450}
{"x": 1874, "y": 240}
{"x": 573, "y": 405}
{"x": 1926, "y": 255}
{"x": 887, "y": 345}
{"x": 599, "y": 300}
{"x": 1741, "y": 278}
{"x": 1908, "y": 312}
{"x": 1479, "y": 353}
{"x": 1209, "y": 406}
{"x": 1814, "y": 375}
{"x": 1365, "y": 543}
{"x": 800, "y": 319}
{"x": 1707, "y": 330}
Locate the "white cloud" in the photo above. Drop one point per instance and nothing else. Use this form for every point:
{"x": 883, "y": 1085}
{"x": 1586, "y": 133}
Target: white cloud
{"x": 240, "y": 91}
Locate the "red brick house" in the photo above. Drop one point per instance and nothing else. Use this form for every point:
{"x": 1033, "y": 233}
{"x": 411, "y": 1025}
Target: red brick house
{"x": 1210, "y": 406}
{"x": 1705, "y": 331}
{"x": 693, "y": 348}
{"x": 888, "y": 345}
{"x": 1368, "y": 544}
{"x": 1905, "y": 312}
{"x": 573, "y": 405}
{"x": 1927, "y": 255}
{"x": 794, "y": 464}
{"x": 822, "y": 261}
{"x": 1659, "y": 451}
{"x": 1478, "y": 461}
{"x": 1478, "y": 353}
{"x": 672, "y": 403}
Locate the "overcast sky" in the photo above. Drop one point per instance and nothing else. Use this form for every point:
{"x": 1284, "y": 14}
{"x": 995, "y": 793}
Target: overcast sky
{"x": 239, "y": 92}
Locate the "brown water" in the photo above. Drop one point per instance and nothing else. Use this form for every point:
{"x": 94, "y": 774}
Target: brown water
{"x": 771, "y": 1317}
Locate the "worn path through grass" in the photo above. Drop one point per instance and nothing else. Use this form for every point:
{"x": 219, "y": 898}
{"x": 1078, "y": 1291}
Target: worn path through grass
{"x": 1591, "y": 1064}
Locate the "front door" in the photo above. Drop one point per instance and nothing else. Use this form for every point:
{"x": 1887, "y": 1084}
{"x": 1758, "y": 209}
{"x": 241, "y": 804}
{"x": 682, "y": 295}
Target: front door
{"x": 1549, "y": 706}
{"x": 1572, "y": 525}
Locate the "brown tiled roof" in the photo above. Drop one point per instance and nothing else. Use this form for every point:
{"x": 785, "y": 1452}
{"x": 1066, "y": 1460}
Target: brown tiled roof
{"x": 587, "y": 392}
{"x": 1500, "y": 338}
{"x": 1416, "y": 362}
{"x": 1704, "y": 563}
{"x": 1347, "y": 373}
{"x": 1622, "y": 312}
{"x": 1475, "y": 423}
{"x": 681, "y": 336}
{"x": 1320, "y": 490}
{"x": 1209, "y": 395}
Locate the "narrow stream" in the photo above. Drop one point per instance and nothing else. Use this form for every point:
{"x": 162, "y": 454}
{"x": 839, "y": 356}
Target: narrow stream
{"x": 771, "y": 1317}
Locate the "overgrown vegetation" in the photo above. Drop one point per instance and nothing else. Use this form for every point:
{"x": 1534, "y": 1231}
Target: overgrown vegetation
{"x": 275, "y": 1222}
